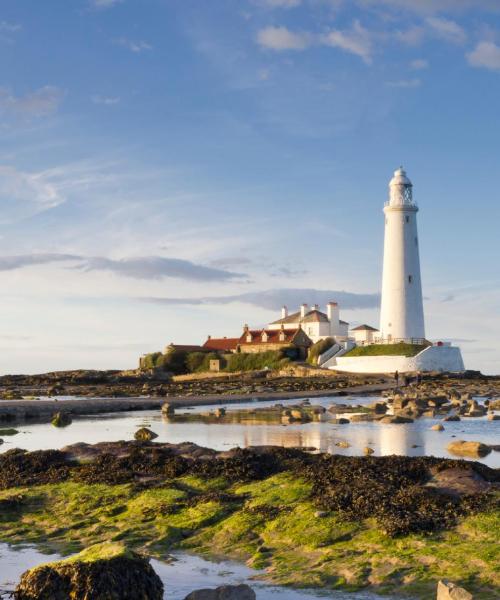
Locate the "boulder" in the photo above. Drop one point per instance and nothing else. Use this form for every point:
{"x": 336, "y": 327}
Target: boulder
{"x": 379, "y": 408}
{"x": 396, "y": 419}
{"x": 341, "y": 421}
{"x": 493, "y": 417}
{"x": 61, "y": 419}
{"x": 462, "y": 448}
{"x": 450, "y": 591}
{"x": 343, "y": 444}
{"x": 225, "y": 592}
{"x": 108, "y": 571}
{"x": 437, "y": 427}
{"x": 368, "y": 451}
{"x": 145, "y": 435}
{"x": 220, "y": 412}
{"x": 452, "y": 418}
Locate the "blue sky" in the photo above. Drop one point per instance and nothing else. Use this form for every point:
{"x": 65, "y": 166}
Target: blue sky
{"x": 170, "y": 170}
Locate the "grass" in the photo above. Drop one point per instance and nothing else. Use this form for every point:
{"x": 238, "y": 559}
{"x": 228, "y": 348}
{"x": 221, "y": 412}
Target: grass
{"x": 400, "y": 349}
{"x": 272, "y": 524}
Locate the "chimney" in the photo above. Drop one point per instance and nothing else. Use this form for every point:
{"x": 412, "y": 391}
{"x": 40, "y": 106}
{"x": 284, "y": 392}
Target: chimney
{"x": 209, "y": 337}
{"x": 332, "y": 311}
{"x": 303, "y": 310}
{"x": 284, "y": 312}
{"x": 315, "y": 307}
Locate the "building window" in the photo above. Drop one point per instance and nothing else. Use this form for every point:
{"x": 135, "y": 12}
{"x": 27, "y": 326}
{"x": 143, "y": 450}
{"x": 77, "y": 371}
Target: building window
{"x": 410, "y": 278}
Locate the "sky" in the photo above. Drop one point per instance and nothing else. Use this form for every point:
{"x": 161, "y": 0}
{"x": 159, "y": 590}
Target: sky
{"x": 175, "y": 169}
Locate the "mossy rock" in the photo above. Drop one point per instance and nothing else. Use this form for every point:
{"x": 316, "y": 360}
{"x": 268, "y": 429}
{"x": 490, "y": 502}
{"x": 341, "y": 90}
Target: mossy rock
{"x": 145, "y": 435}
{"x": 106, "y": 571}
{"x": 61, "y": 419}
{"x": 7, "y": 432}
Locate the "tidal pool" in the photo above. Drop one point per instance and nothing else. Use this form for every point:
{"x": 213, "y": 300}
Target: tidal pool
{"x": 182, "y": 576}
{"x": 412, "y": 439}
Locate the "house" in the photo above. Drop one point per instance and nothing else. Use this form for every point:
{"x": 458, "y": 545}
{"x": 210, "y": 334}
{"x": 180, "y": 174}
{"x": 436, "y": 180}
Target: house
{"x": 316, "y": 324}
{"x": 364, "y": 334}
{"x": 224, "y": 344}
{"x": 262, "y": 340}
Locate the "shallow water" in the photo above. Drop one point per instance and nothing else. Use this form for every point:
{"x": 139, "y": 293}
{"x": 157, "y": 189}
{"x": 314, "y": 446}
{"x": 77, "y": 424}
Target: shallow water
{"x": 412, "y": 439}
{"x": 180, "y": 577}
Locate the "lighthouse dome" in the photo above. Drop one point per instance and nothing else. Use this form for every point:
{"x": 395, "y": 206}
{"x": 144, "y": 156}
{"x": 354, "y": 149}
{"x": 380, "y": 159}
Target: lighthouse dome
{"x": 400, "y": 178}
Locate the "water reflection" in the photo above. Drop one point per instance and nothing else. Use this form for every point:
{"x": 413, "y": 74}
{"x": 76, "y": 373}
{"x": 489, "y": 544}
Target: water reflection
{"x": 411, "y": 439}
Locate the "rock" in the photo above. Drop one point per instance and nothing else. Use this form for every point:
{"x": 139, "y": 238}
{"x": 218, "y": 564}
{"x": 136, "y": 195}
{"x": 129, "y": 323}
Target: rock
{"x": 145, "y": 435}
{"x": 450, "y": 591}
{"x": 396, "y": 419}
{"x": 379, "y": 408}
{"x": 61, "y": 419}
{"x": 320, "y": 514}
{"x": 225, "y": 592}
{"x": 220, "y": 412}
{"x": 437, "y": 427}
{"x": 368, "y": 450}
{"x": 462, "y": 448}
{"x": 107, "y": 571}
{"x": 452, "y": 418}
{"x": 341, "y": 421}
{"x": 1, "y": 441}
{"x": 7, "y": 432}
{"x": 318, "y": 410}
{"x": 458, "y": 481}
{"x": 343, "y": 444}
{"x": 491, "y": 417}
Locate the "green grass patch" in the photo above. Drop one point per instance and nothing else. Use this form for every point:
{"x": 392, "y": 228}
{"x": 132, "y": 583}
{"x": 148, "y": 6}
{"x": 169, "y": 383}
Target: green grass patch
{"x": 386, "y": 350}
{"x": 272, "y": 524}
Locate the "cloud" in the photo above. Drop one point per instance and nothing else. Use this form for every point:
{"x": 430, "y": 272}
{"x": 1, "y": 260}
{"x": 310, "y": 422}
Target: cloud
{"x": 275, "y": 299}
{"x": 447, "y": 30}
{"x": 281, "y": 38}
{"x": 105, "y": 100}
{"x": 145, "y": 267}
{"x": 40, "y": 103}
{"x": 6, "y": 27}
{"x": 102, "y": 4}
{"x": 419, "y": 64}
{"x": 405, "y": 83}
{"x": 436, "y": 6}
{"x": 280, "y": 3}
{"x": 485, "y": 55}
{"x": 356, "y": 40}
{"x": 134, "y": 46}
{"x": 24, "y": 194}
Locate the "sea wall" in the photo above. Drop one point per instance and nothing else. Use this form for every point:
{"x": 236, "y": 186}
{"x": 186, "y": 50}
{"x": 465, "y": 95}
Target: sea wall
{"x": 433, "y": 358}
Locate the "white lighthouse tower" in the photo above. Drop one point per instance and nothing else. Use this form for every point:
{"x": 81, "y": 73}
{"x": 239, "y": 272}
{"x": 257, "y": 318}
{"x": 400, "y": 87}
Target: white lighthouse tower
{"x": 402, "y": 312}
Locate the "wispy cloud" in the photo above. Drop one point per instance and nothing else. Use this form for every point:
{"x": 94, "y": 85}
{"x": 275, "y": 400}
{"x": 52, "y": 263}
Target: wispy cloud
{"x": 436, "y": 6}
{"x": 144, "y": 267}
{"x": 356, "y": 40}
{"x": 39, "y": 103}
{"x": 275, "y": 299}
{"x": 105, "y": 100}
{"x": 405, "y": 83}
{"x": 6, "y": 27}
{"x": 485, "y": 55}
{"x": 23, "y": 194}
{"x": 281, "y": 38}
{"x": 102, "y": 4}
{"x": 419, "y": 64}
{"x": 447, "y": 30}
{"x": 279, "y": 3}
{"x": 136, "y": 46}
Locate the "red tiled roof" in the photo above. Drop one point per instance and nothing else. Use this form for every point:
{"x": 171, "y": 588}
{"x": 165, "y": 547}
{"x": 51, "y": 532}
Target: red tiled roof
{"x": 273, "y": 336}
{"x": 221, "y": 343}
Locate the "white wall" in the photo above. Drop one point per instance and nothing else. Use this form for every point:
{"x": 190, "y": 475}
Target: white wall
{"x": 433, "y": 358}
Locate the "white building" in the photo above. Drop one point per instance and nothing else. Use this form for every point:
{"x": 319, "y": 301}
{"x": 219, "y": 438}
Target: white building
{"x": 402, "y": 311}
{"x": 316, "y": 324}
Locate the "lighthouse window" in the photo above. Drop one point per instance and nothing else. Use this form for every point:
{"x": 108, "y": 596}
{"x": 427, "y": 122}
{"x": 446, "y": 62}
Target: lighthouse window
{"x": 416, "y": 241}
{"x": 410, "y": 278}
{"x": 407, "y": 219}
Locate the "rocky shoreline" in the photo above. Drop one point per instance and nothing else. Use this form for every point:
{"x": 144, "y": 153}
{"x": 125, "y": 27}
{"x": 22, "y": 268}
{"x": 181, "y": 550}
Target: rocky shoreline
{"x": 306, "y": 519}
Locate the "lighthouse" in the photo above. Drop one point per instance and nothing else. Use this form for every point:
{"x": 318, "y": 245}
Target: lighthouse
{"x": 402, "y": 312}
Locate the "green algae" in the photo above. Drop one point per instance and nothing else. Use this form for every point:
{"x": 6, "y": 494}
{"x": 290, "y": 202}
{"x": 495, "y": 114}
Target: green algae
{"x": 271, "y": 523}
